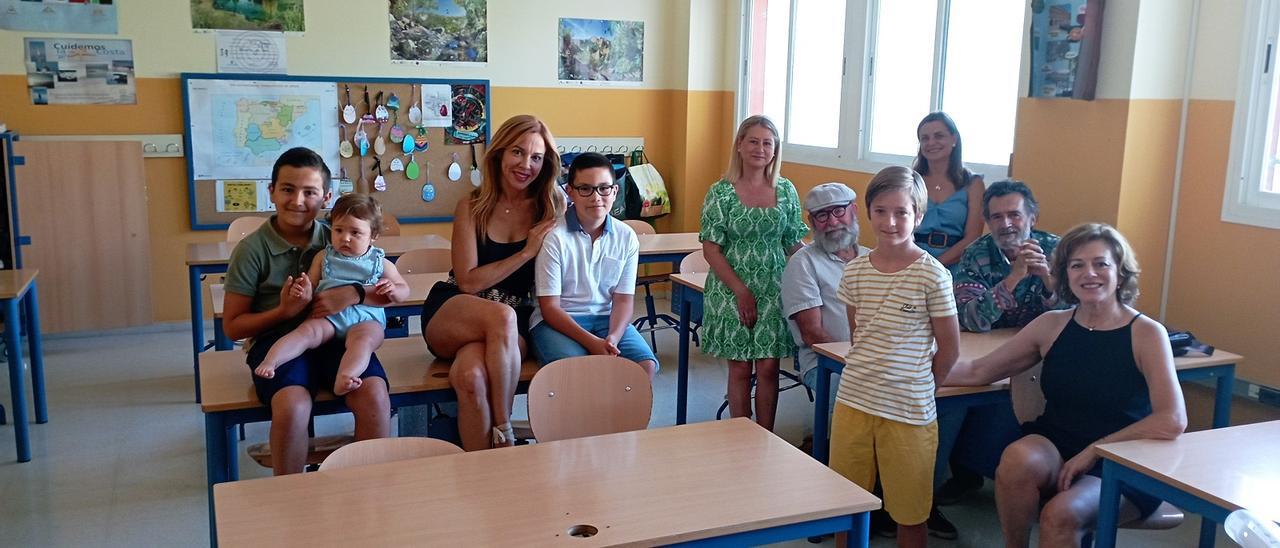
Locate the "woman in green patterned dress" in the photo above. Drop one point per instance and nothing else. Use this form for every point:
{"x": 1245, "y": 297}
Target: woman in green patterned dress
{"x": 750, "y": 224}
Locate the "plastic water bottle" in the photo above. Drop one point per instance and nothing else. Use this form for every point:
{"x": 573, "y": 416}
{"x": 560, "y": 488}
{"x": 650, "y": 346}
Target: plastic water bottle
{"x": 1250, "y": 530}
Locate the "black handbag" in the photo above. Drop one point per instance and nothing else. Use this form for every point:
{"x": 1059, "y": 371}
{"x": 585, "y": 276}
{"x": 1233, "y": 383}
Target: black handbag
{"x": 1183, "y": 342}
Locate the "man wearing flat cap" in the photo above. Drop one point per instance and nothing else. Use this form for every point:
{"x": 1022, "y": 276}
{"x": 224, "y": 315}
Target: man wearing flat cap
{"x": 812, "y": 276}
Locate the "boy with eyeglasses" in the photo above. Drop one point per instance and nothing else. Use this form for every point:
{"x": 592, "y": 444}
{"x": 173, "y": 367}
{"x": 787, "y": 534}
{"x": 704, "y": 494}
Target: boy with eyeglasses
{"x": 586, "y": 275}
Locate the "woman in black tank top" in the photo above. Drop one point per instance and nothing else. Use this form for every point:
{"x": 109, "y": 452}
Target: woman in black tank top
{"x": 1108, "y": 376}
{"x": 480, "y": 316}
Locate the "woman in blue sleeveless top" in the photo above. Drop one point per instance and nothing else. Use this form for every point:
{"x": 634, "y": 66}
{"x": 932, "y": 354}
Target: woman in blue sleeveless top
{"x": 1108, "y": 376}
{"x": 954, "y": 217}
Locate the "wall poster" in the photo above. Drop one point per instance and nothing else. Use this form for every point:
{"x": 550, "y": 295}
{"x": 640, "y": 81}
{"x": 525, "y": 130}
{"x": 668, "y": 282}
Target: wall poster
{"x": 76, "y": 71}
{"x": 1066, "y": 39}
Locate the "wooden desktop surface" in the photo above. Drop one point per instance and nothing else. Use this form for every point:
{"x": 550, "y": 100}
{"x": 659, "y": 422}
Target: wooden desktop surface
{"x": 646, "y": 488}
{"x": 972, "y": 345}
{"x": 220, "y": 252}
{"x": 696, "y": 281}
{"x": 1235, "y": 467}
{"x": 675, "y": 242}
{"x": 14, "y": 282}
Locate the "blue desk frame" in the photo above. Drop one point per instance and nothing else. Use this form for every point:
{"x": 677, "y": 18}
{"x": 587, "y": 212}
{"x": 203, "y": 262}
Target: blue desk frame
{"x": 1225, "y": 376}
{"x": 1115, "y": 474}
{"x": 14, "y": 323}
{"x": 856, "y": 525}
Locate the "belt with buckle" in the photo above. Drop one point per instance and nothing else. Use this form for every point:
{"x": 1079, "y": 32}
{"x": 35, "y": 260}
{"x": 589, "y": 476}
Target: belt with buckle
{"x": 937, "y": 240}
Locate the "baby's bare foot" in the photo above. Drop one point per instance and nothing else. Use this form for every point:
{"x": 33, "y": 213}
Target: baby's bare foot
{"x": 346, "y": 383}
{"x": 265, "y": 371}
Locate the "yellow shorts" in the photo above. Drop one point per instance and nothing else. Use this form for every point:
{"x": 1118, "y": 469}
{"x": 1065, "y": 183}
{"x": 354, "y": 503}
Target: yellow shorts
{"x": 903, "y": 454}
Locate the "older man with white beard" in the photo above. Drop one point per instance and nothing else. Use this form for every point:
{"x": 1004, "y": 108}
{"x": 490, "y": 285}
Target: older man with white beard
{"x": 813, "y": 274}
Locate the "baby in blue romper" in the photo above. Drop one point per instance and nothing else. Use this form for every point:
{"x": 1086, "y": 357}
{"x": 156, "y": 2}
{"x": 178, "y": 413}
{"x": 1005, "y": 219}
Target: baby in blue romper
{"x": 349, "y": 259}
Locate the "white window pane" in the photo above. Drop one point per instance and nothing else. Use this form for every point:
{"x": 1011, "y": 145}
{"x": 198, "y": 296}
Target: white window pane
{"x": 1271, "y": 158}
{"x": 902, "y": 75}
{"x": 772, "y": 77}
{"x": 980, "y": 85}
{"x": 816, "y": 78}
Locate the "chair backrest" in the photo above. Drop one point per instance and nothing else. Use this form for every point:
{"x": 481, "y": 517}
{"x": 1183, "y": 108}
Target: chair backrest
{"x": 640, "y": 227}
{"x": 424, "y": 261}
{"x": 695, "y": 263}
{"x": 589, "y": 396}
{"x": 390, "y": 226}
{"x": 243, "y": 226}
{"x": 1027, "y": 396}
{"x": 387, "y": 450}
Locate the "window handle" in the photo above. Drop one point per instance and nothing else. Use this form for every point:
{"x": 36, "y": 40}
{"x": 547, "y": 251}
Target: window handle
{"x": 1266, "y": 65}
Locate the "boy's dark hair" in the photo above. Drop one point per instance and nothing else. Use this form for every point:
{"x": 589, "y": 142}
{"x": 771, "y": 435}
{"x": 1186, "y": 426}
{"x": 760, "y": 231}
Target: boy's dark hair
{"x": 360, "y": 206}
{"x": 589, "y": 160}
{"x": 301, "y": 157}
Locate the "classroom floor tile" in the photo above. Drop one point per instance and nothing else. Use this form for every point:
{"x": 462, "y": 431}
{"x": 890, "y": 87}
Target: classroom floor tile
{"x": 121, "y": 462}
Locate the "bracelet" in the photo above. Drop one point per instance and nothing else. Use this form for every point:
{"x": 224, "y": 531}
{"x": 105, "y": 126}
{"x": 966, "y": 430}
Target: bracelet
{"x": 359, "y": 291}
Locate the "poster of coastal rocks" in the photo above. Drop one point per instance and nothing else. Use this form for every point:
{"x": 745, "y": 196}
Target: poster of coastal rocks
{"x": 601, "y": 51}
{"x": 449, "y": 31}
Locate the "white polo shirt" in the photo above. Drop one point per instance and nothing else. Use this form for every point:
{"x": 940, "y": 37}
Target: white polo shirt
{"x": 811, "y": 279}
{"x": 583, "y": 273}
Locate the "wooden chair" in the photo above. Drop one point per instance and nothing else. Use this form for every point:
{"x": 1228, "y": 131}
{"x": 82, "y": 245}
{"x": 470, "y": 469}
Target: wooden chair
{"x": 652, "y": 321}
{"x": 425, "y": 261}
{"x": 695, "y": 263}
{"x": 1028, "y": 404}
{"x": 381, "y": 450}
{"x": 243, "y": 226}
{"x": 589, "y": 396}
{"x": 236, "y": 231}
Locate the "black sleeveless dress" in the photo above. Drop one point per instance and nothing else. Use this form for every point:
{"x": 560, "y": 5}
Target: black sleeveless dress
{"x": 1092, "y": 388}
{"x": 514, "y": 290}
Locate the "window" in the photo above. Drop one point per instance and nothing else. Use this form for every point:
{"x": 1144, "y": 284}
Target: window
{"x": 802, "y": 58}
{"x": 1253, "y": 177}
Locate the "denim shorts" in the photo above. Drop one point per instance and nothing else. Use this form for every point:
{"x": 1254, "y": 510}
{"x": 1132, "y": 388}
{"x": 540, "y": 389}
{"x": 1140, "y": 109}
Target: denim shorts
{"x": 551, "y": 345}
{"x": 315, "y": 369}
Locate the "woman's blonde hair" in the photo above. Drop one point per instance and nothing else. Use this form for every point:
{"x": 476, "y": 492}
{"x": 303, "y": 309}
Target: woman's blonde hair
{"x": 549, "y": 201}
{"x": 1121, "y": 251}
{"x": 772, "y": 170}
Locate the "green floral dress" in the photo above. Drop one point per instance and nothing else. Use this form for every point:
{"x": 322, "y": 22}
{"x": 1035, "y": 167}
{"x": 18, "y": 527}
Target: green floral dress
{"x": 755, "y": 242}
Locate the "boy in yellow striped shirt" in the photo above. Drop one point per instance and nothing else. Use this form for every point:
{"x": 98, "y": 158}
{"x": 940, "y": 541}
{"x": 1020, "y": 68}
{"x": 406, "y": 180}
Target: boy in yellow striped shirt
{"x": 905, "y": 338}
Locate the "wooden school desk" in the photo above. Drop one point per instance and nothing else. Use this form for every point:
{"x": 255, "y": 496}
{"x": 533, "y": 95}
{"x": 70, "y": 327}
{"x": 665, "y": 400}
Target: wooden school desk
{"x": 1211, "y": 473}
{"x": 1220, "y": 366}
{"x": 727, "y": 483}
{"x": 19, "y": 287}
{"x": 212, "y": 258}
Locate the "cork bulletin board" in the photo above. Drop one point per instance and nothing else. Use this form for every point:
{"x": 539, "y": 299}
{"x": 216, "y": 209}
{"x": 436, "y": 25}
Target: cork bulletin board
{"x": 237, "y": 125}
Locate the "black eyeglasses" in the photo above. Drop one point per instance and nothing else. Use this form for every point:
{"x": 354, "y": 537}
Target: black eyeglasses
{"x": 822, "y": 216}
{"x": 603, "y": 190}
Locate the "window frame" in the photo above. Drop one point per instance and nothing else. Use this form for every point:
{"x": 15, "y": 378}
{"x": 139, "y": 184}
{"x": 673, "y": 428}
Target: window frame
{"x": 1243, "y": 201}
{"x": 852, "y": 152}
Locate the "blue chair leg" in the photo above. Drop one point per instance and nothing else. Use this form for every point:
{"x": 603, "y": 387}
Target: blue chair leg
{"x": 3, "y": 418}
{"x": 653, "y": 317}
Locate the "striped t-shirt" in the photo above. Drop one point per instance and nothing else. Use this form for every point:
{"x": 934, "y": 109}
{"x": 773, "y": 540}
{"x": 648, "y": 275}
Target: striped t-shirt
{"x": 888, "y": 370}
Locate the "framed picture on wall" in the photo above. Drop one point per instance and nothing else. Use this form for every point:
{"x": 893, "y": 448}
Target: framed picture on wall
{"x": 1066, "y": 39}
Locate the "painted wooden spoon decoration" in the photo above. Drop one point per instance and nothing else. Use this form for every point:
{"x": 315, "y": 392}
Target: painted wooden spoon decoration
{"x": 380, "y": 112}
{"x": 415, "y": 112}
{"x": 379, "y": 145}
{"x": 455, "y": 170}
{"x": 349, "y": 111}
{"x": 344, "y": 146}
{"x": 411, "y": 171}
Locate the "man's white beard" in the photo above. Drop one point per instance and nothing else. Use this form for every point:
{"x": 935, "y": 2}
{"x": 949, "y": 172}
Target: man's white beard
{"x": 834, "y": 241}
